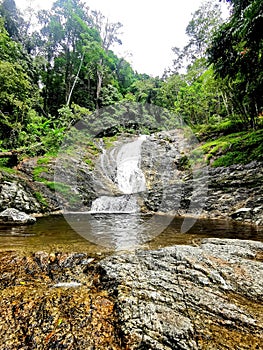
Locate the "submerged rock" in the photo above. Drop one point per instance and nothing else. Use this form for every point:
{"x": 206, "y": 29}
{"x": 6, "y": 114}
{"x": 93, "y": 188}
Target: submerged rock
{"x": 49, "y": 302}
{"x": 13, "y": 216}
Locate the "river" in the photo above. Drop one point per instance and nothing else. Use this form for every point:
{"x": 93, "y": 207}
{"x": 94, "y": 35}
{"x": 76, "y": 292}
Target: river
{"x": 71, "y": 233}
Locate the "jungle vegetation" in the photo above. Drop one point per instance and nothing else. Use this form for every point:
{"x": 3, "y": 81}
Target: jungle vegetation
{"x": 58, "y": 66}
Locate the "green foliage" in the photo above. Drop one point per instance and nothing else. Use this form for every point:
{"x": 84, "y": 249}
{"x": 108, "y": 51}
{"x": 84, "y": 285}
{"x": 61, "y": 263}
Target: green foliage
{"x": 4, "y": 168}
{"x": 218, "y": 128}
{"x": 109, "y": 141}
{"x": 236, "y": 53}
{"x": 242, "y": 147}
{"x": 38, "y": 171}
{"x": 200, "y": 30}
{"x": 65, "y": 72}
{"x": 44, "y": 160}
{"x": 41, "y": 199}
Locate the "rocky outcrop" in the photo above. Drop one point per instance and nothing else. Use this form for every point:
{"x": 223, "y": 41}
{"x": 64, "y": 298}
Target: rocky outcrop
{"x": 174, "y": 184}
{"x": 16, "y": 193}
{"x": 236, "y": 192}
{"x": 182, "y": 297}
{"x": 13, "y": 216}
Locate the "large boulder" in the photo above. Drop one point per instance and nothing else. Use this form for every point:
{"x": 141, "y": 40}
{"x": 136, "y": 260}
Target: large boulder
{"x": 189, "y": 297}
{"x": 15, "y": 217}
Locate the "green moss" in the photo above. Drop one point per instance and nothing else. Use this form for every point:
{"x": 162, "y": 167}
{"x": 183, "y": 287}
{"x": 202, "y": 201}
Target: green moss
{"x": 58, "y": 186}
{"x": 223, "y": 128}
{"x": 7, "y": 170}
{"x": 90, "y": 162}
{"x": 38, "y": 170}
{"x": 241, "y": 147}
{"x": 45, "y": 160}
{"x": 109, "y": 141}
{"x": 41, "y": 199}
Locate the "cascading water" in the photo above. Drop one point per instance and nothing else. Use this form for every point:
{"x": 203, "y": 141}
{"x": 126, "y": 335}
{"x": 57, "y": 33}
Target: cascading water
{"x": 121, "y": 166}
{"x": 130, "y": 178}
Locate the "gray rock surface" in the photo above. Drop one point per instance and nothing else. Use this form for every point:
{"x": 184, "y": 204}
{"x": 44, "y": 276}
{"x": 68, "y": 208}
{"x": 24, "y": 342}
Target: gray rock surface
{"x": 16, "y": 193}
{"x": 174, "y": 185}
{"x": 185, "y": 297}
{"x": 13, "y": 216}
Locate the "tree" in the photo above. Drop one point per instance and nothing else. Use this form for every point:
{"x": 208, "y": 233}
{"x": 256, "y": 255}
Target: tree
{"x": 169, "y": 89}
{"x": 64, "y": 30}
{"x": 16, "y": 88}
{"x": 109, "y": 33}
{"x": 236, "y": 54}
{"x": 199, "y": 100}
{"x": 200, "y": 30}
{"x": 12, "y": 19}
{"x": 145, "y": 89}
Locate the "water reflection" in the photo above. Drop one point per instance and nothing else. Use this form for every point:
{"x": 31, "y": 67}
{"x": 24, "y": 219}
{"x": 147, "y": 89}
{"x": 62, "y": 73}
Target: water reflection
{"x": 105, "y": 232}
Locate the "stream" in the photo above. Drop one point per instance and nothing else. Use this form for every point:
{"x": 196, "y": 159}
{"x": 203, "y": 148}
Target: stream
{"x": 55, "y": 233}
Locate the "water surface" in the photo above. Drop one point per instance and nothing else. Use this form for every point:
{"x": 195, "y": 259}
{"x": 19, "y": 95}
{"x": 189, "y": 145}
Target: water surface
{"x": 100, "y": 230}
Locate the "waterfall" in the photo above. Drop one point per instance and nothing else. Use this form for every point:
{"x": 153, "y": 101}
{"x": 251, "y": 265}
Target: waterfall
{"x": 130, "y": 178}
{"x": 121, "y": 165}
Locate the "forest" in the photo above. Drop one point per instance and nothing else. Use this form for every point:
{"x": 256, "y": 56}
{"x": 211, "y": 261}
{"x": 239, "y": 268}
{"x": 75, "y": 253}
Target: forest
{"x": 58, "y": 67}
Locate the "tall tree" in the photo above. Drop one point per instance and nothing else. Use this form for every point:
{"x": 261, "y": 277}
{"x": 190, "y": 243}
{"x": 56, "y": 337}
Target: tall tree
{"x": 16, "y": 88}
{"x": 109, "y": 33}
{"x": 67, "y": 35}
{"x": 12, "y": 18}
{"x": 203, "y": 24}
{"x": 237, "y": 56}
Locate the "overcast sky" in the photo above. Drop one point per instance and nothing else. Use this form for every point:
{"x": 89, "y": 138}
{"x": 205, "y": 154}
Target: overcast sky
{"x": 150, "y": 28}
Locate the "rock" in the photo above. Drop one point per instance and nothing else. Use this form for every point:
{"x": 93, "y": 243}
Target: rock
{"x": 47, "y": 304}
{"x": 181, "y": 297}
{"x": 172, "y": 185}
{"x": 242, "y": 213}
{"x": 16, "y": 193}
{"x": 67, "y": 285}
{"x": 15, "y": 217}
{"x": 223, "y": 192}
{"x": 184, "y": 297}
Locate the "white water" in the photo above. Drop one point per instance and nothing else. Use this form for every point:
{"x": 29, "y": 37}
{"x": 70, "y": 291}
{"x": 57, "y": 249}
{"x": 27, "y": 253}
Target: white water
{"x": 121, "y": 166}
{"x": 121, "y": 204}
{"x": 130, "y": 178}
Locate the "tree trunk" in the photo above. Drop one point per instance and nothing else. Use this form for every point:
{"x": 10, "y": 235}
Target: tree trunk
{"x": 99, "y": 85}
{"x": 75, "y": 80}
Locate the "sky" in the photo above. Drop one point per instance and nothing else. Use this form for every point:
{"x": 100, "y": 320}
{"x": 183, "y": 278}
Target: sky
{"x": 150, "y": 28}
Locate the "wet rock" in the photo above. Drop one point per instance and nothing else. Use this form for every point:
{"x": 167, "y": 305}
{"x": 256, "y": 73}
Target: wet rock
{"x": 13, "y": 216}
{"x": 181, "y": 297}
{"x": 184, "y": 297}
{"x": 236, "y": 192}
{"x": 172, "y": 185}
{"x": 16, "y": 193}
{"x": 242, "y": 213}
